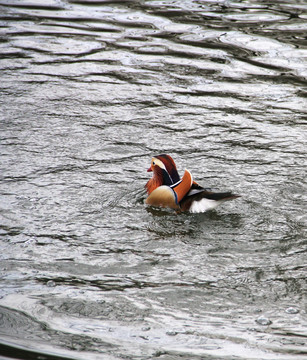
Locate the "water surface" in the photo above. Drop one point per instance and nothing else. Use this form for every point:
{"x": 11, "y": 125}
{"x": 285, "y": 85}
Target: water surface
{"x": 89, "y": 92}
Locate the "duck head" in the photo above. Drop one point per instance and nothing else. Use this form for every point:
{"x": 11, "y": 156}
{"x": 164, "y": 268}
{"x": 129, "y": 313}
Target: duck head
{"x": 164, "y": 172}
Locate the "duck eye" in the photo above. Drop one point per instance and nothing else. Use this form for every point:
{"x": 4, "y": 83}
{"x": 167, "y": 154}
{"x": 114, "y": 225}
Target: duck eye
{"x": 153, "y": 163}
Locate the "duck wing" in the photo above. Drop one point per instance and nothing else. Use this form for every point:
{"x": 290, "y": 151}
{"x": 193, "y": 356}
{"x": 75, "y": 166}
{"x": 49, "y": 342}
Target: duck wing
{"x": 199, "y": 199}
{"x": 183, "y": 186}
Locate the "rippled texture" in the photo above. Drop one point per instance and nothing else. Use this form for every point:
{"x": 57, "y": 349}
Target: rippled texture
{"x": 89, "y": 91}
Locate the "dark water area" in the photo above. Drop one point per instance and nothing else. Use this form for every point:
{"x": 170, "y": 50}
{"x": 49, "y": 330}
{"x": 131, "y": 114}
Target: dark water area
{"x": 89, "y": 92}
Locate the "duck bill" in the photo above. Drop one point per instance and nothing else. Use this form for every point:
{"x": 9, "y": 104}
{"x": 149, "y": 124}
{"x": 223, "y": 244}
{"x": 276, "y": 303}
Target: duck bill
{"x": 149, "y": 170}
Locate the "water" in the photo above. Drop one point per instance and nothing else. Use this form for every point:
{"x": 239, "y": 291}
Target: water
{"x": 90, "y": 90}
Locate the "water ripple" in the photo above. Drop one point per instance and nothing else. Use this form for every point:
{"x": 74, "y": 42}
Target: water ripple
{"x": 90, "y": 91}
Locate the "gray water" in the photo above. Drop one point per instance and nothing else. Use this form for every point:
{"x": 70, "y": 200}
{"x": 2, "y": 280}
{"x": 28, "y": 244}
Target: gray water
{"x": 89, "y": 92}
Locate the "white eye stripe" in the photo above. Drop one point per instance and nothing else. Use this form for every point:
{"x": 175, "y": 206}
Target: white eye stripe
{"x": 158, "y": 163}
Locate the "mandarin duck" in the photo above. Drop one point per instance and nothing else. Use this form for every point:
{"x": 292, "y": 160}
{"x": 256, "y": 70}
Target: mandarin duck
{"x": 166, "y": 189}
